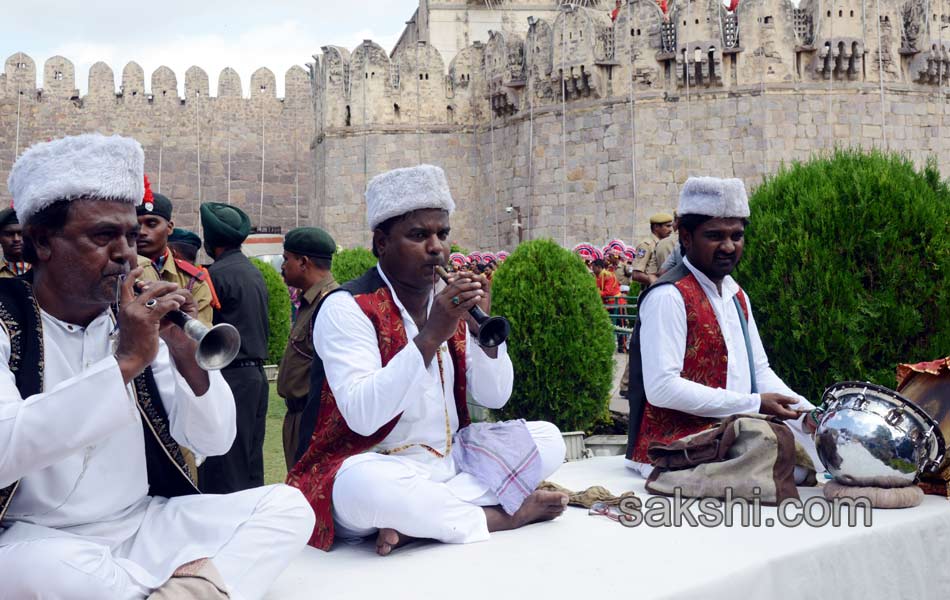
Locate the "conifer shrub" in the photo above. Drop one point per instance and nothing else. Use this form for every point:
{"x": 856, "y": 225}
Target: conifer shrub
{"x": 278, "y": 311}
{"x": 847, "y": 264}
{"x": 562, "y": 341}
{"x": 351, "y": 263}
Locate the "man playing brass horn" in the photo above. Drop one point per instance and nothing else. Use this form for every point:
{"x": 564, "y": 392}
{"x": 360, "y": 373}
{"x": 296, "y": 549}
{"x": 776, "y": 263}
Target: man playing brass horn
{"x": 94, "y": 405}
{"x": 391, "y": 451}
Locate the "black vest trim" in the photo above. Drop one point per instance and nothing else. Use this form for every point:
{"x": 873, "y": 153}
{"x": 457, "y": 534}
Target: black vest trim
{"x": 168, "y": 473}
{"x": 367, "y": 283}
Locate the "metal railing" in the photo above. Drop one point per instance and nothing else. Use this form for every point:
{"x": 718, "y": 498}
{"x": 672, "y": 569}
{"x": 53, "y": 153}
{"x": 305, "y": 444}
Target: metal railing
{"x": 622, "y": 315}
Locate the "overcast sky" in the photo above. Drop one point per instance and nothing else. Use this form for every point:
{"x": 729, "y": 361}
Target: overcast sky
{"x": 211, "y": 34}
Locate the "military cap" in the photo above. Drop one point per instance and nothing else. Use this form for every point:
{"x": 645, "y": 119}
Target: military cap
{"x": 8, "y": 217}
{"x": 310, "y": 241}
{"x": 183, "y": 236}
{"x": 224, "y": 225}
{"x": 660, "y": 218}
{"x": 158, "y": 205}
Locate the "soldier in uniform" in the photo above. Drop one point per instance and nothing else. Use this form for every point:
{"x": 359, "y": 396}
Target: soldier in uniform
{"x": 155, "y": 257}
{"x": 185, "y": 245}
{"x": 11, "y": 238}
{"x": 668, "y": 246}
{"x": 308, "y": 255}
{"x": 645, "y": 266}
{"x": 244, "y": 304}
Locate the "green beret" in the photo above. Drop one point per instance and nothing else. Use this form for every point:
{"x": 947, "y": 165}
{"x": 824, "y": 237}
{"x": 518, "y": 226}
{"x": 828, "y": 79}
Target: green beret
{"x": 310, "y": 241}
{"x": 225, "y": 226}
{"x": 8, "y": 217}
{"x": 160, "y": 206}
{"x": 183, "y": 236}
{"x": 660, "y": 218}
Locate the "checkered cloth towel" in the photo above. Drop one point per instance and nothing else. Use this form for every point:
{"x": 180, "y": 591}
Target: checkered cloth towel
{"x": 503, "y": 456}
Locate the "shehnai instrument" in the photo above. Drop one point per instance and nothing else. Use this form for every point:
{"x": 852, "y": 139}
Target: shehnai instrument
{"x": 492, "y": 331}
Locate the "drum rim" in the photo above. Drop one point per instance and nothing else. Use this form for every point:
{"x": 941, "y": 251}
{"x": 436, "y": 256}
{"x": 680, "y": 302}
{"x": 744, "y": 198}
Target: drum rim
{"x": 934, "y": 458}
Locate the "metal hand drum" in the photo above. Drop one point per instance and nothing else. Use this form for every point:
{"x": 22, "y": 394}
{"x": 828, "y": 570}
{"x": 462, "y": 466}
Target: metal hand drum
{"x": 872, "y": 436}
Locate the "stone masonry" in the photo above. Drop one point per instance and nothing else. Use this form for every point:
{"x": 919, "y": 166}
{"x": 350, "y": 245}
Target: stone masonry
{"x": 587, "y": 125}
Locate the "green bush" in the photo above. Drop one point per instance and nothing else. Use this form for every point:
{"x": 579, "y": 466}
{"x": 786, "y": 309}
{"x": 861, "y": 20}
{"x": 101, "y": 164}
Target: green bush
{"x": 351, "y": 263}
{"x": 278, "y": 311}
{"x": 562, "y": 341}
{"x": 456, "y": 248}
{"x": 847, "y": 262}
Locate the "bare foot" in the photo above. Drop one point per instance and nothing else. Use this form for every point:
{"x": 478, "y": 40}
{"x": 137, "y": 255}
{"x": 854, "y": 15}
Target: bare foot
{"x": 539, "y": 506}
{"x": 390, "y": 539}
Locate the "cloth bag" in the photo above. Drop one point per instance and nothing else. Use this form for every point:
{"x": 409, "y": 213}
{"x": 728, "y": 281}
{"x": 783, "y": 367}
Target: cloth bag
{"x": 743, "y": 453}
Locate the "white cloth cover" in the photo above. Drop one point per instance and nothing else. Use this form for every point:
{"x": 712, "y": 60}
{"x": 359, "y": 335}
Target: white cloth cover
{"x": 402, "y": 191}
{"x": 90, "y": 165}
{"x": 714, "y": 197}
{"x": 903, "y": 555}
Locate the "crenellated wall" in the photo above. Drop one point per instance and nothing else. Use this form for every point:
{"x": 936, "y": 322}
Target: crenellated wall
{"x": 196, "y": 146}
{"x": 567, "y": 117}
{"x": 588, "y": 125}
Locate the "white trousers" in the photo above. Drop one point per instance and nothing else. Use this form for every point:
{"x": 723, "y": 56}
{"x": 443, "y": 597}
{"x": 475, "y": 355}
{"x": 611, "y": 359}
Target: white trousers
{"x": 398, "y": 493}
{"x": 65, "y": 566}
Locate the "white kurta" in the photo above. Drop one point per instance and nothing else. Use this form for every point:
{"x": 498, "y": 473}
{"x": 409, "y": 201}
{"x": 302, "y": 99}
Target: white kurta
{"x": 369, "y": 396}
{"x": 663, "y": 347}
{"x": 78, "y": 451}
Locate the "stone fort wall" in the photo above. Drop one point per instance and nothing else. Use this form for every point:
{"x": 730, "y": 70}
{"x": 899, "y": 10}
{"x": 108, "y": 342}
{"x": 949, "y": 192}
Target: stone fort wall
{"x": 216, "y": 148}
{"x": 588, "y": 126}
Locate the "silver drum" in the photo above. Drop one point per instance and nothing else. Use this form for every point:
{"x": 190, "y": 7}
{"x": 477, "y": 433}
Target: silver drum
{"x": 872, "y": 436}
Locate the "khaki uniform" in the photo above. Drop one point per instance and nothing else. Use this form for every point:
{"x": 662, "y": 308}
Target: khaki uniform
{"x": 624, "y": 273}
{"x": 187, "y": 276}
{"x": 665, "y": 247}
{"x": 293, "y": 376}
{"x": 645, "y": 259}
{"x": 174, "y": 271}
{"x": 6, "y": 269}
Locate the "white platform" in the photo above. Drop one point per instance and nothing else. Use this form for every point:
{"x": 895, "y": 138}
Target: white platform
{"x": 905, "y": 554}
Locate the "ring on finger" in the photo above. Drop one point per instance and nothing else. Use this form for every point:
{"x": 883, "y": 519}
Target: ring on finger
{"x": 456, "y": 300}
{"x": 150, "y": 304}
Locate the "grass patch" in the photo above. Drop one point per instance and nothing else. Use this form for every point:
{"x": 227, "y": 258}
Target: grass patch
{"x": 275, "y": 471}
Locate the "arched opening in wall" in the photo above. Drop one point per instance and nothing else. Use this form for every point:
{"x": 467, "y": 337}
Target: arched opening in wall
{"x": 396, "y": 111}
{"x": 347, "y": 121}
{"x": 427, "y": 77}
{"x": 852, "y": 14}
{"x": 450, "y": 115}
{"x": 697, "y": 21}
{"x": 768, "y": 20}
{"x": 712, "y": 64}
{"x": 840, "y": 13}
{"x": 829, "y": 14}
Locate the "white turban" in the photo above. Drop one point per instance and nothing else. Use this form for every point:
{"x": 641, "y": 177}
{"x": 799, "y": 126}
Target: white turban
{"x": 82, "y": 166}
{"x": 714, "y": 197}
{"x": 402, "y": 191}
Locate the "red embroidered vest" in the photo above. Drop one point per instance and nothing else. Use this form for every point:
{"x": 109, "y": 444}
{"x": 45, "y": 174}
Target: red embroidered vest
{"x": 705, "y": 362}
{"x": 332, "y": 440}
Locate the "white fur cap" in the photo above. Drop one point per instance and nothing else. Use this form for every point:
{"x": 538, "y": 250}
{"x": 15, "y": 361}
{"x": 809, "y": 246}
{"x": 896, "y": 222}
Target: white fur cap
{"x": 402, "y": 191}
{"x": 90, "y": 165}
{"x": 714, "y": 197}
